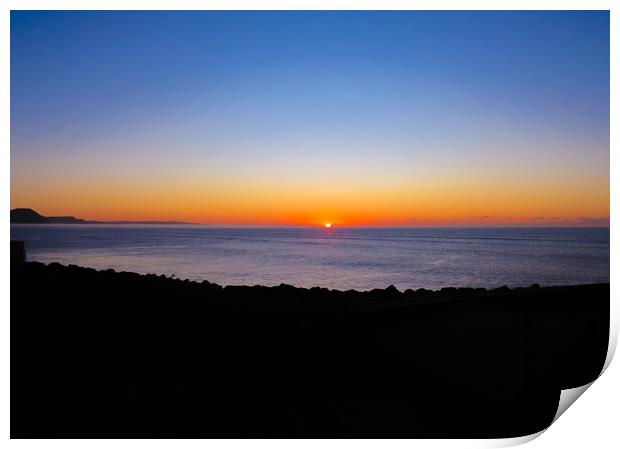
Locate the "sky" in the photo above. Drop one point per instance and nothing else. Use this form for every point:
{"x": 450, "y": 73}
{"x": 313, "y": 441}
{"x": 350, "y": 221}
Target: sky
{"x": 303, "y": 118}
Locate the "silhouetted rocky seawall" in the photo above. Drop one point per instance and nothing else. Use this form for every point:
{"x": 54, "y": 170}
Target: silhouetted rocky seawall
{"x": 108, "y": 354}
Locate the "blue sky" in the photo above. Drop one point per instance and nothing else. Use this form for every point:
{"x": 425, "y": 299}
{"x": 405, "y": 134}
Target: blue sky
{"x": 280, "y": 98}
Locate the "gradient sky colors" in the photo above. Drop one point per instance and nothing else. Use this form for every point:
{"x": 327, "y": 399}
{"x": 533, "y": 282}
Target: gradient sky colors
{"x": 302, "y": 118}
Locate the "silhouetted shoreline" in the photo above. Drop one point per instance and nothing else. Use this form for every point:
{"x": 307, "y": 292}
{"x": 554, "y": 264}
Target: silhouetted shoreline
{"x": 116, "y": 354}
{"x": 30, "y": 216}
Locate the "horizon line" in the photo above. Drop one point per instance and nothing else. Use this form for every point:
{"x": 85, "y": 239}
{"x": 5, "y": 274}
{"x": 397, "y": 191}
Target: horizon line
{"x": 222, "y": 226}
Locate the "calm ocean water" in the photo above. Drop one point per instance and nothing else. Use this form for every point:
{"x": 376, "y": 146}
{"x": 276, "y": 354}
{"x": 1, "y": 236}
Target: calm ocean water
{"x": 342, "y": 258}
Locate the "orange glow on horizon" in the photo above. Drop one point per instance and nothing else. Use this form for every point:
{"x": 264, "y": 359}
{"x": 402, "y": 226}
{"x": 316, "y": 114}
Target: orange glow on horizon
{"x": 358, "y": 140}
{"x": 450, "y": 200}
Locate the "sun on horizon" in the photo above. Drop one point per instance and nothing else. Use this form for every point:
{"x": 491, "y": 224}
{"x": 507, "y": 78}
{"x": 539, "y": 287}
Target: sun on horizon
{"x": 415, "y": 124}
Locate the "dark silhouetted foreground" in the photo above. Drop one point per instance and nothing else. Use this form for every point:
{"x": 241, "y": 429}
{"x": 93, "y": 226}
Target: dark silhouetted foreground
{"x": 105, "y": 354}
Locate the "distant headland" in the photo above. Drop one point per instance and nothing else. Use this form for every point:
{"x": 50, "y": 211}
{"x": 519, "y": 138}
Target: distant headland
{"x": 30, "y": 216}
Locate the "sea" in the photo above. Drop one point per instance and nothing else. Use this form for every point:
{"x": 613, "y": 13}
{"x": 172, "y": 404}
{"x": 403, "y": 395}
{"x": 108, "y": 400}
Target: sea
{"x": 338, "y": 258}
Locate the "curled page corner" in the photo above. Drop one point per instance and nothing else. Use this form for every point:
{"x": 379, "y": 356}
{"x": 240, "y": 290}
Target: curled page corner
{"x": 516, "y": 441}
{"x": 568, "y": 397}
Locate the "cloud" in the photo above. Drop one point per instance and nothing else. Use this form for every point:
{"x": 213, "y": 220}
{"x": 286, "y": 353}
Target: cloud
{"x": 572, "y": 221}
{"x": 593, "y": 221}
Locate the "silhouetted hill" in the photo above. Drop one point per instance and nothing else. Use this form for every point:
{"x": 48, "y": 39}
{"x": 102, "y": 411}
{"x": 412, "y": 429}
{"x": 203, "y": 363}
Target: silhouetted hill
{"x": 23, "y": 215}
{"x": 148, "y": 222}
{"x": 68, "y": 220}
{"x": 29, "y": 216}
{"x": 108, "y": 354}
